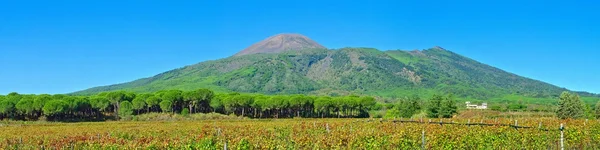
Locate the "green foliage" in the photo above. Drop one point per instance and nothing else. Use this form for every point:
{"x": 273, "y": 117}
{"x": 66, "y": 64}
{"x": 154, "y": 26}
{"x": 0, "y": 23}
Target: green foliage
{"x": 244, "y": 145}
{"x": 153, "y": 101}
{"x": 166, "y": 105}
{"x": 139, "y": 102}
{"x": 365, "y": 71}
{"x": 393, "y": 113}
{"x": 598, "y": 110}
{"x": 126, "y": 109}
{"x": 516, "y": 107}
{"x": 25, "y": 105}
{"x": 99, "y": 102}
{"x": 185, "y": 112}
{"x": 449, "y": 107}
{"x": 40, "y": 100}
{"x": 6, "y": 107}
{"x": 588, "y": 112}
{"x": 570, "y": 106}
{"x": 408, "y": 107}
{"x": 439, "y": 106}
{"x": 55, "y": 107}
{"x": 434, "y": 106}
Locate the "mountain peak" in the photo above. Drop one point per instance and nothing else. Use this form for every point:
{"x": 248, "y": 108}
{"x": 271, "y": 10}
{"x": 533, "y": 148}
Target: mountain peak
{"x": 280, "y": 43}
{"x": 439, "y": 47}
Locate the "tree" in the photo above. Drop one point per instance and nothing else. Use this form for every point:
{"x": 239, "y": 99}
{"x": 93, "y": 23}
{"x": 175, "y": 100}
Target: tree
{"x": 449, "y": 107}
{"x": 7, "y": 107}
{"x": 598, "y": 110}
{"x": 25, "y": 105}
{"x": 126, "y": 108}
{"x": 192, "y": 98}
{"x": 206, "y": 96}
{"x": 216, "y": 103}
{"x": 365, "y": 104}
{"x": 139, "y": 102}
{"x": 392, "y": 113}
{"x": 99, "y": 102}
{"x": 404, "y": 109}
{"x": 166, "y": 105}
{"x": 39, "y": 102}
{"x": 297, "y": 102}
{"x": 570, "y": 106}
{"x": 152, "y": 102}
{"x": 173, "y": 96}
{"x": 434, "y": 106}
{"x": 55, "y": 107}
{"x": 322, "y": 105}
{"x": 115, "y": 99}
{"x": 241, "y": 102}
{"x": 588, "y": 112}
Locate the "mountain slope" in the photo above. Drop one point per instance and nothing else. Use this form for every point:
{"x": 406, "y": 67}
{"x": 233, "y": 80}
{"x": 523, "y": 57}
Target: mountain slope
{"x": 348, "y": 70}
{"x": 281, "y": 43}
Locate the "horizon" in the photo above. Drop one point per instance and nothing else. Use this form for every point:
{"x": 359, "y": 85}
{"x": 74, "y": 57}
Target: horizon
{"x": 59, "y": 48}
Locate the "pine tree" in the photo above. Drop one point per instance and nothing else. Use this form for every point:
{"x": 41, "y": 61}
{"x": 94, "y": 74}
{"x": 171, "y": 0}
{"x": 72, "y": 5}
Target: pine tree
{"x": 434, "y": 106}
{"x": 598, "y": 110}
{"x": 570, "y": 106}
{"x": 449, "y": 107}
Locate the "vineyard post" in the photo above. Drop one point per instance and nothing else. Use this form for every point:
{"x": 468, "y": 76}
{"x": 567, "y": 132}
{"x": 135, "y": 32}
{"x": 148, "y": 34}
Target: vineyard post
{"x": 481, "y": 122}
{"x": 469, "y": 123}
{"x": 225, "y": 146}
{"x": 516, "y": 124}
{"x": 423, "y": 139}
{"x": 562, "y": 137}
{"x": 540, "y": 126}
{"x": 327, "y": 127}
{"x": 218, "y": 131}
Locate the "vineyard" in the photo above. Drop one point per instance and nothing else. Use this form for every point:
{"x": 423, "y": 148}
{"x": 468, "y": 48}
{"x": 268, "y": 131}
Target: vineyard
{"x": 302, "y": 134}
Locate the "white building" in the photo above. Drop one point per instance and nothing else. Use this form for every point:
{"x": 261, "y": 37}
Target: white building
{"x": 473, "y": 106}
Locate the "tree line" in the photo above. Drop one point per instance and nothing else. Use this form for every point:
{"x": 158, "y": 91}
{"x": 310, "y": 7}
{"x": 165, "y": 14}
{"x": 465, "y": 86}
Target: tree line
{"x": 118, "y": 104}
{"x": 437, "y": 107}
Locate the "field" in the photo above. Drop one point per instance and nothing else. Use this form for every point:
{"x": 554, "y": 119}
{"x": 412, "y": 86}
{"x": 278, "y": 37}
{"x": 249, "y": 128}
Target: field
{"x": 300, "y": 134}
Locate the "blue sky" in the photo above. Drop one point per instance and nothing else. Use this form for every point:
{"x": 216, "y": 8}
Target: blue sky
{"x": 65, "y": 46}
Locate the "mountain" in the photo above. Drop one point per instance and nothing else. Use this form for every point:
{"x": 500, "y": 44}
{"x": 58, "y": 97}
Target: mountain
{"x": 292, "y": 64}
{"x": 281, "y": 43}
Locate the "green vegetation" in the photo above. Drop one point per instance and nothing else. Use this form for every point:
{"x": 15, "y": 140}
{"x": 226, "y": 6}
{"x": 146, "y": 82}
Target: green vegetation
{"x": 405, "y": 108}
{"x": 441, "y": 107}
{"x": 364, "y": 71}
{"x": 123, "y": 105}
{"x": 571, "y": 106}
{"x": 598, "y": 110}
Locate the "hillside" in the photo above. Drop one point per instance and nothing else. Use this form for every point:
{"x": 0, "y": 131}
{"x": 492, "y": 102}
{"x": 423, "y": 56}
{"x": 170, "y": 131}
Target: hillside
{"x": 348, "y": 70}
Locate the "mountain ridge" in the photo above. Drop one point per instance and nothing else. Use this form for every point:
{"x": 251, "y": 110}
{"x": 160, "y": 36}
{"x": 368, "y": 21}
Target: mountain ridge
{"x": 368, "y": 71}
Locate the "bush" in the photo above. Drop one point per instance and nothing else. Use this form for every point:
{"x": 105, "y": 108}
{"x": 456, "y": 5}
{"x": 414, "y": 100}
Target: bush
{"x": 185, "y": 112}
